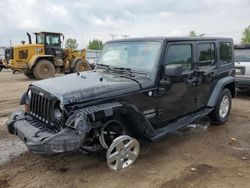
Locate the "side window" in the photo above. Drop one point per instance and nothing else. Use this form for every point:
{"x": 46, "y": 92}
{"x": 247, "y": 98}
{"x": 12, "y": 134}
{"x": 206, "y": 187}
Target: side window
{"x": 180, "y": 54}
{"x": 225, "y": 52}
{"x": 206, "y": 54}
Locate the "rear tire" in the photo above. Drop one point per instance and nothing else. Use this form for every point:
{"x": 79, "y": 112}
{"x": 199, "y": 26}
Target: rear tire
{"x": 222, "y": 108}
{"x": 1, "y": 68}
{"x": 81, "y": 65}
{"x": 29, "y": 75}
{"x": 44, "y": 69}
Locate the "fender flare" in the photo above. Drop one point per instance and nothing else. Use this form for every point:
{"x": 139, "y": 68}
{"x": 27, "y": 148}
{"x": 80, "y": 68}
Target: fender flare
{"x": 35, "y": 58}
{"x": 137, "y": 123}
{"x": 218, "y": 88}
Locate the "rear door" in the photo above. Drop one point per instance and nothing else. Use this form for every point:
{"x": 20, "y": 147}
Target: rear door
{"x": 206, "y": 65}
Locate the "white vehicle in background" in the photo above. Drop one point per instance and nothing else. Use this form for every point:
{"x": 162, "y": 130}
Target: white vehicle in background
{"x": 242, "y": 66}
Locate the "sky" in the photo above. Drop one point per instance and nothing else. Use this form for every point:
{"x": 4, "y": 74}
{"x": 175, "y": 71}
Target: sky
{"x": 88, "y": 19}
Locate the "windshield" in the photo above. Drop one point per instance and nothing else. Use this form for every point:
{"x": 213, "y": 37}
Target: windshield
{"x": 242, "y": 55}
{"x": 53, "y": 40}
{"x": 133, "y": 55}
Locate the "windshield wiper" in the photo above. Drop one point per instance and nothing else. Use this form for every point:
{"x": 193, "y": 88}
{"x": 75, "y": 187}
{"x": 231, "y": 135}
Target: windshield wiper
{"x": 121, "y": 69}
{"x": 128, "y": 70}
{"x": 103, "y": 65}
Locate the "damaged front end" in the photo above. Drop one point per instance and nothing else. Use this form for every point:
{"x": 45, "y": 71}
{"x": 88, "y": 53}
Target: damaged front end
{"x": 40, "y": 139}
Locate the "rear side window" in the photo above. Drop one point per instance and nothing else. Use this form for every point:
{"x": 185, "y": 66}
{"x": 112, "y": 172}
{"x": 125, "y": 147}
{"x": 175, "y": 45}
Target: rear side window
{"x": 206, "y": 53}
{"x": 225, "y": 52}
{"x": 180, "y": 54}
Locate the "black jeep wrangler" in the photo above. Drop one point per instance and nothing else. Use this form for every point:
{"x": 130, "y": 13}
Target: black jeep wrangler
{"x": 140, "y": 89}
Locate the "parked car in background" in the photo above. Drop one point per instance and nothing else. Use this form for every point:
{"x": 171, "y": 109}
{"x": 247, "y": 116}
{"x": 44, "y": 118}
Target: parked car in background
{"x": 242, "y": 66}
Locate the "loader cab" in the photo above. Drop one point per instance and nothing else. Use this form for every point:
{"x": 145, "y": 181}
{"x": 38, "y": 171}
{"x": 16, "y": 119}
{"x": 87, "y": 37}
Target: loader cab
{"x": 52, "y": 43}
{"x": 49, "y": 39}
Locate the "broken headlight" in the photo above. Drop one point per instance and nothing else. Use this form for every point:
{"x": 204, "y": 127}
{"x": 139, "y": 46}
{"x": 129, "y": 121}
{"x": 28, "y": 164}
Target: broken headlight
{"x": 58, "y": 111}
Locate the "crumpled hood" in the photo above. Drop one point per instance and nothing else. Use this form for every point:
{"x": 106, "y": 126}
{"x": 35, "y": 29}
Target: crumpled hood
{"x": 87, "y": 86}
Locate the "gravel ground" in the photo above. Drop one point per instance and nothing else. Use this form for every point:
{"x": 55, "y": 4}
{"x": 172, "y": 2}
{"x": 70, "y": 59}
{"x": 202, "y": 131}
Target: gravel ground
{"x": 199, "y": 156}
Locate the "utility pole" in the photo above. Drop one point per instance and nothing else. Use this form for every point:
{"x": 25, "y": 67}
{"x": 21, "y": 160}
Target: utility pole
{"x": 10, "y": 42}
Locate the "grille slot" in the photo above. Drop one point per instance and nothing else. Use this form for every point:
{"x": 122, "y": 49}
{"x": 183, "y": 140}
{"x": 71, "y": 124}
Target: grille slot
{"x": 40, "y": 107}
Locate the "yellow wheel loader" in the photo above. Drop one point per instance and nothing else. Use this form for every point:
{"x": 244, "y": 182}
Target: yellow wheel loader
{"x": 46, "y": 57}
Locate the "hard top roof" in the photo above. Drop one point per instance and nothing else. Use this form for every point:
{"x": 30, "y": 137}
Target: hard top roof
{"x": 172, "y": 39}
{"x": 55, "y": 33}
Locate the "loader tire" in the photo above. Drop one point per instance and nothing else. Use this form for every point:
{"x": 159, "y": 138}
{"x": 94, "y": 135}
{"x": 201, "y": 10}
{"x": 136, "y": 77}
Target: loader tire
{"x": 29, "y": 75}
{"x": 81, "y": 65}
{"x": 44, "y": 69}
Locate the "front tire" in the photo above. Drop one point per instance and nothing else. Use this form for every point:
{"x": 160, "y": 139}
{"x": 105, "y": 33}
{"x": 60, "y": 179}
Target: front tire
{"x": 81, "y": 65}
{"x": 222, "y": 108}
{"x": 44, "y": 69}
{"x": 1, "y": 68}
{"x": 29, "y": 75}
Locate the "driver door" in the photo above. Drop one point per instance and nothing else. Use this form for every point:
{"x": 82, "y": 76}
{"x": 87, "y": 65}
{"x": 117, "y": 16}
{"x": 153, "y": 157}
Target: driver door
{"x": 52, "y": 46}
{"x": 176, "y": 95}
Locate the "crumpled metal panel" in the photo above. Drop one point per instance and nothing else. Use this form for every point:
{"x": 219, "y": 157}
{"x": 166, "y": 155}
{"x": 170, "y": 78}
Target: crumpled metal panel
{"x": 102, "y": 107}
{"x": 81, "y": 114}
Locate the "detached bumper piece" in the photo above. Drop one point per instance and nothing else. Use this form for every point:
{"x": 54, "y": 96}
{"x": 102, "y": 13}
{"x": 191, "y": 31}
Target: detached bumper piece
{"x": 39, "y": 138}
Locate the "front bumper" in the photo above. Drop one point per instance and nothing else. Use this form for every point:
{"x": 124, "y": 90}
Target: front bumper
{"x": 39, "y": 138}
{"x": 12, "y": 64}
{"x": 242, "y": 80}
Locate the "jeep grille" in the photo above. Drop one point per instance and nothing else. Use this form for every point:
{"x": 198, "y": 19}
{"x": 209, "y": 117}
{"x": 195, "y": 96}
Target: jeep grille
{"x": 41, "y": 107}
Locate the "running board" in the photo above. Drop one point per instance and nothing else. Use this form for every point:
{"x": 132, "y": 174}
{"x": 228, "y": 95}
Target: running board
{"x": 161, "y": 132}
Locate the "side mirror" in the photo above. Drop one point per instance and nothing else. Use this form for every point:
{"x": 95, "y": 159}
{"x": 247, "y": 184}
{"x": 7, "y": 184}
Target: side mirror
{"x": 173, "y": 70}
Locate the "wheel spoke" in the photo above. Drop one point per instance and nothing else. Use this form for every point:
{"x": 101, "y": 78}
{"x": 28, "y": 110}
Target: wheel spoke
{"x": 113, "y": 157}
{"x": 130, "y": 144}
{"x": 119, "y": 164}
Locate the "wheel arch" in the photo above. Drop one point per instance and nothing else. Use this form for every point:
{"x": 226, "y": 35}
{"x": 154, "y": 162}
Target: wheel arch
{"x": 226, "y": 82}
{"x": 37, "y": 58}
{"x": 129, "y": 115}
{"x": 73, "y": 61}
